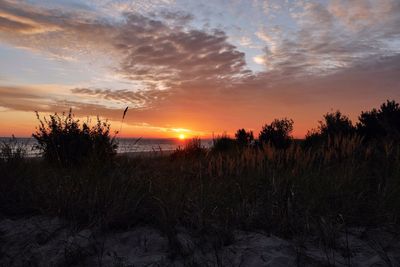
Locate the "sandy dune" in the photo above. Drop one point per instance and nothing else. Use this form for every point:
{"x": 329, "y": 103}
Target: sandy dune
{"x": 40, "y": 241}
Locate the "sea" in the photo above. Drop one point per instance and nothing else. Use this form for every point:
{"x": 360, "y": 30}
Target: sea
{"x": 125, "y": 145}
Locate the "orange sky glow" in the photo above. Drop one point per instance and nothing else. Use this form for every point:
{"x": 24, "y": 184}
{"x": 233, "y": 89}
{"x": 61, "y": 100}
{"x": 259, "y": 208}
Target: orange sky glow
{"x": 196, "y": 68}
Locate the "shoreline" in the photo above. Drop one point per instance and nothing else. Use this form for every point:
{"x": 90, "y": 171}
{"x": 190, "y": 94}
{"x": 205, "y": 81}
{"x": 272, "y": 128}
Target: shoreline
{"x": 131, "y": 154}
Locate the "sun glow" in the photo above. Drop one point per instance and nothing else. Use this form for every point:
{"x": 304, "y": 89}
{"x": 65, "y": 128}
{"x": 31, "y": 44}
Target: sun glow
{"x": 182, "y": 136}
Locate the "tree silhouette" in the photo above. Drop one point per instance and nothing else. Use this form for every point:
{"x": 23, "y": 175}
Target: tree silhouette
{"x": 277, "y": 133}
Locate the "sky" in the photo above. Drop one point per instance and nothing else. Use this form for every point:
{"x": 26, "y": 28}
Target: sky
{"x": 196, "y": 67}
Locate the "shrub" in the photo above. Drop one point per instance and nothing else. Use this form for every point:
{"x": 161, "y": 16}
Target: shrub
{"x": 277, "y": 133}
{"x": 281, "y": 191}
{"x": 192, "y": 148}
{"x": 244, "y": 138}
{"x": 381, "y": 123}
{"x": 64, "y": 141}
{"x": 223, "y": 143}
{"x": 335, "y": 125}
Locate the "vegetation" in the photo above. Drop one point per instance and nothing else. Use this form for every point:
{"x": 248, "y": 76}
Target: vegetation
{"x": 342, "y": 181}
{"x": 244, "y": 138}
{"x": 64, "y": 141}
{"x": 277, "y": 133}
{"x": 192, "y": 149}
{"x": 224, "y": 143}
{"x": 335, "y": 125}
{"x": 382, "y": 123}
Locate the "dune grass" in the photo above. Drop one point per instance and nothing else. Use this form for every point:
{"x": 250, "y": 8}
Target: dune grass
{"x": 287, "y": 192}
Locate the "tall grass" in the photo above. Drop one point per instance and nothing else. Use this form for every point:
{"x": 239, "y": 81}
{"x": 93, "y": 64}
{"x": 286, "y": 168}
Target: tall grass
{"x": 291, "y": 191}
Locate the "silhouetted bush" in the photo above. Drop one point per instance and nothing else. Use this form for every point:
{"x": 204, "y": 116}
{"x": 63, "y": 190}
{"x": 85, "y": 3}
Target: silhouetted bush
{"x": 244, "y": 138}
{"x": 337, "y": 124}
{"x": 277, "y": 133}
{"x": 223, "y": 143}
{"x": 192, "y": 149}
{"x": 65, "y": 142}
{"x": 382, "y": 123}
{"x": 333, "y": 126}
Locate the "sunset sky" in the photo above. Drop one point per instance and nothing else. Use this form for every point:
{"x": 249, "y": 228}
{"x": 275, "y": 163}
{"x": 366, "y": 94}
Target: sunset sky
{"x": 196, "y": 67}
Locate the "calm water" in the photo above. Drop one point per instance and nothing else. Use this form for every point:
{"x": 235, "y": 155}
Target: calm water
{"x": 125, "y": 145}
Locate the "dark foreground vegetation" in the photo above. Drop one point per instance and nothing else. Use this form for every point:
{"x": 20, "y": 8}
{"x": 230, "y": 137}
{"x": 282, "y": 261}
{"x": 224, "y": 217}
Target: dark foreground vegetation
{"x": 342, "y": 175}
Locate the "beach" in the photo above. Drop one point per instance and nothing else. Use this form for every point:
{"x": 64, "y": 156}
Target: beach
{"x": 42, "y": 241}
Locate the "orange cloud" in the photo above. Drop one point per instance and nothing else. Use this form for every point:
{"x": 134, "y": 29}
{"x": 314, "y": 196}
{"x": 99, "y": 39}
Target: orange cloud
{"x": 197, "y": 80}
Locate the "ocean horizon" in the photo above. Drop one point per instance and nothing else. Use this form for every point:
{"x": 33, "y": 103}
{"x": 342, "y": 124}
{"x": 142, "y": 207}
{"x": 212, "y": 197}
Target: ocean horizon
{"x": 125, "y": 145}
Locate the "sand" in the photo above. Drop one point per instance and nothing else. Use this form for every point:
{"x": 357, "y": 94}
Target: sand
{"x": 41, "y": 241}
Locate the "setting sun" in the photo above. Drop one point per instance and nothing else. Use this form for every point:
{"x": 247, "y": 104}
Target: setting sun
{"x": 199, "y": 131}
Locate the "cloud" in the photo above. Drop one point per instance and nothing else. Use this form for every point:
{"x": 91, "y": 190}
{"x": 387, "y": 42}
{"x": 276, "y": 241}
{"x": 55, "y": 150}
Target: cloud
{"x": 155, "y": 52}
{"x": 360, "y": 15}
{"x": 176, "y": 17}
{"x": 245, "y": 41}
{"x": 270, "y": 7}
{"x": 15, "y": 22}
{"x": 162, "y": 54}
{"x": 135, "y": 99}
{"x": 15, "y": 26}
{"x": 139, "y": 6}
{"x": 10, "y": 92}
{"x": 190, "y": 76}
{"x": 162, "y": 51}
{"x": 332, "y": 37}
{"x": 23, "y": 98}
{"x": 251, "y": 102}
